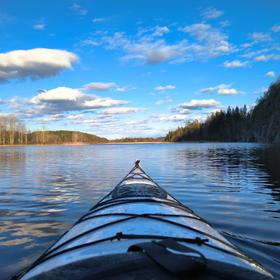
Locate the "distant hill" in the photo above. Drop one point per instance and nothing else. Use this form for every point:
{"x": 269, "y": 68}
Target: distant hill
{"x": 14, "y": 132}
{"x": 138, "y": 140}
{"x": 63, "y": 137}
{"x": 68, "y": 137}
{"x": 260, "y": 124}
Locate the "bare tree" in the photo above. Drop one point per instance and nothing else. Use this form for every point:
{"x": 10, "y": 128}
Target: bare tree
{"x": 12, "y": 131}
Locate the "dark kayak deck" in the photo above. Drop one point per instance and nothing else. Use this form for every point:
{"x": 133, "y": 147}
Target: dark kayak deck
{"x": 139, "y": 266}
{"x": 138, "y": 183}
{"x": 138, "y": 190}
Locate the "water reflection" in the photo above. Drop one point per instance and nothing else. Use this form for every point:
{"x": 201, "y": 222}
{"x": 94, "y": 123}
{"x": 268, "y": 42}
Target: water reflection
{"x": 43, "y": 190}
{"x": 268, "y": 159}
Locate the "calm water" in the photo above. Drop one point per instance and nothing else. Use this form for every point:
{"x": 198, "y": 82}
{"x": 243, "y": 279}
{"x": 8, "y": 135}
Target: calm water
{"x": 43, "y": 190}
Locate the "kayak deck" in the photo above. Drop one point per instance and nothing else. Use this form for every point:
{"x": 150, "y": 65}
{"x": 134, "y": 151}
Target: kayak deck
{"x": 138, "y": 211}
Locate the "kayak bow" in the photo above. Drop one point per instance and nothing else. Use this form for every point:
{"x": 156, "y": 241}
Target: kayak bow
{"x": 140, "y": 230}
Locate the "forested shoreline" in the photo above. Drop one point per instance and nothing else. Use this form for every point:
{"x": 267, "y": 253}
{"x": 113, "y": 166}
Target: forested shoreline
{"x": 14, "y": 132}
{"x": 260, "y": 124}
{"x": 139, "y": 140}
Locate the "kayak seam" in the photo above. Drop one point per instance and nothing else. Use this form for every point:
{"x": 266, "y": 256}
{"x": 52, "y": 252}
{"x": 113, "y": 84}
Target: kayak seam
{"x": 127, "y": 201}
{"x": 131, "y": 214}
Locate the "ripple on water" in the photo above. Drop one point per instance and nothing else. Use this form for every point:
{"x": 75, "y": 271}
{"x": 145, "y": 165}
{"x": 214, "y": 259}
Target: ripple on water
{"x": 234, "y": 186}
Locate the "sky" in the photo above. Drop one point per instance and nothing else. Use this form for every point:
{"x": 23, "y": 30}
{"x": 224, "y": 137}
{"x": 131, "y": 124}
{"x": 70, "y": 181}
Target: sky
{"x": 121, "y": 68}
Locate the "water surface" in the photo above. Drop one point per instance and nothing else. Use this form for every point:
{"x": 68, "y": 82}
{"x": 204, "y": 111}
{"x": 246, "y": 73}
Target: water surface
{"x": 43, "y": 190}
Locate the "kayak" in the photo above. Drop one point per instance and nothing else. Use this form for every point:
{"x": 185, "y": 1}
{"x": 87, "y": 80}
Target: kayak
{"x": 140, "y": 231}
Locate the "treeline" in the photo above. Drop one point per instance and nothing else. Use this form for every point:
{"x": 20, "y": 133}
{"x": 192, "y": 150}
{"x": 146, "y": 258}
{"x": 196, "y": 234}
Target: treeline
{"x": 266, "y": 116}
{"x": 12, "y": 131}
{"x": 260, "y": 124}
{"x": 230, "y": 125}
{"x": 64, "y": 137}
{"x": 138, "y": 140}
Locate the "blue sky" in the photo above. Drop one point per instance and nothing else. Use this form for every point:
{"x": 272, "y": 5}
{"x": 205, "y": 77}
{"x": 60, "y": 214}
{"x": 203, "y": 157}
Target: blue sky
{"x": 133, "y": 68}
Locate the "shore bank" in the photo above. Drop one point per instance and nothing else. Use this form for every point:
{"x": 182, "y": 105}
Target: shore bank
{"x": 84, "y": 144}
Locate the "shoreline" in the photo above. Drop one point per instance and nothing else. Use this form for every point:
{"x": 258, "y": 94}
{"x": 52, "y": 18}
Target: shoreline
{"x": 63, "y": 144}
{"x": 84, "y": 144}
{"x": 132, "y": 143}
{"x": 122, "y": 143}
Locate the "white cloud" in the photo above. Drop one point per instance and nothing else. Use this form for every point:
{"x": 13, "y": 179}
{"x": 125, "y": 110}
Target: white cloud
{"x": 99, "y": 20}
{"x": 14, "y": 103}
{"x": 258, "y": 37}
{"x": 270, "y": 74}
{"x": 252, "y": 54}
{"x": 90, "y": 42}
{"x": 165, "y": 88}
{"x": 98, "y": 86}
{"x": 211, "y": 13}
{"x": 227, "y": 91}
{"x": 222, "y": 89}
{"x": 164, "y": 101}
{"x": 172, "y": 118}
{"x": 195, "y": 104}
{"x": 79, "y": 10}
{"x": 262, "y": 57}
{"x": 121, "y": 89}
{"x": 103, "y": 103}
{"x": 267, "y": 57}
{"x": 235, "y": 64}
{"x": 122, "y": 110}
{"x": 75, "y": 117}
{"x": 160, "y": 30}
{"x": 247, "y": 45}
{"x": 39, "y": 26}
{"x": 276, "y": 28}
{"x": 146, "y": 49}
{"x": 64, "y": 99}
{"x": 51, "y": 118}
{"x": 197, "y": 30}
{"x": 34, "y": 63}
{"x": 149, "y": 46}
{"x": 57, "y": 94}
{"x": 99, "y": 121}
{"x": 261, "y": 90}
{"x": 224, "y": 23}
{"x": 136, "y": 122}
{"x": 150, "y": 33}
{"x": 183, "y": 111}
{"x": 124, "y": 88}
{"x": 210, "y": 41}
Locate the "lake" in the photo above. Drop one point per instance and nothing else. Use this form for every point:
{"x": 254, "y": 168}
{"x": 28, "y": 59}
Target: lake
{"x": 44, "y": 189}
